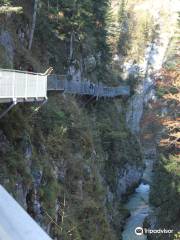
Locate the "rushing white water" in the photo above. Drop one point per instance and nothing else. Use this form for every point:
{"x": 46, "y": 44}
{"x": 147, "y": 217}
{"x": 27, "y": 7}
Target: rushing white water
{"x": 138, "y": 205}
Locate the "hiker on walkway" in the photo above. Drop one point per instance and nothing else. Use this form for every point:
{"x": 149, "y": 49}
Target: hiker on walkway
{"x": 92, "y": 87}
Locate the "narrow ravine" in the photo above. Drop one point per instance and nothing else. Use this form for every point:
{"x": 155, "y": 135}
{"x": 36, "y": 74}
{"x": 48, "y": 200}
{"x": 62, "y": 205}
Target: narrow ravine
{"x": 138, "y": 203}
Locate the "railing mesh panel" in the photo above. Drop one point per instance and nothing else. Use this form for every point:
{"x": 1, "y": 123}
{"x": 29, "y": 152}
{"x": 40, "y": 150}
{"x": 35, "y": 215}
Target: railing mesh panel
{"x": 22, "y": 85}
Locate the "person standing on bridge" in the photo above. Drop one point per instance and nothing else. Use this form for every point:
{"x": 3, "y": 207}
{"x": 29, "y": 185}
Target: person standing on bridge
{"x": 92, "y": 87}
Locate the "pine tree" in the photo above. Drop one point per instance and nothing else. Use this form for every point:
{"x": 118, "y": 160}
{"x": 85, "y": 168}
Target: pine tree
{"x": 33, "y": 23}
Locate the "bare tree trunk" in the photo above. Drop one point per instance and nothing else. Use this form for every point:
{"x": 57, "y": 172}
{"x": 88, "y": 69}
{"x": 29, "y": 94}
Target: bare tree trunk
{"x": 72, "y": 36}
{"x": 33, "y": 24}
{"x": 71, "y": 46}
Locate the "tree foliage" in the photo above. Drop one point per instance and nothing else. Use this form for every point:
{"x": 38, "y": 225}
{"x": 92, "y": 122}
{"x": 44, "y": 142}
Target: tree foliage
{"x": 81, "y": 27}
{"x": 170, "y": 81}
{"x": 167, "y": 171}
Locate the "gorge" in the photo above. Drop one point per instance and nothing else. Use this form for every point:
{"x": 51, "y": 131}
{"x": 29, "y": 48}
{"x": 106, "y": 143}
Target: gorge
{"x": 88, "y": 168}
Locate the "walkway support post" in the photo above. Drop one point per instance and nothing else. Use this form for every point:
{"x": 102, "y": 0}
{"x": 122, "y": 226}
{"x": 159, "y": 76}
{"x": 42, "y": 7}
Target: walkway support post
{"x": 8, "y": 109}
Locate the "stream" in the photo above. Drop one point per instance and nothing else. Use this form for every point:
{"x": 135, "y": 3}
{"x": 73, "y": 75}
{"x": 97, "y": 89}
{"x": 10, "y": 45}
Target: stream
{"x": 138, "y": 205}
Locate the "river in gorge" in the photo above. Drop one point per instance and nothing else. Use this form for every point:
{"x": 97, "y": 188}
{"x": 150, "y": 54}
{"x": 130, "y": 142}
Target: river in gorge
{"x": 155, "y": 55}
{"x": 138, "y": 204}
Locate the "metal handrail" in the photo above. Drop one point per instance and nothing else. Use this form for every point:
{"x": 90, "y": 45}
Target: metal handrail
{"x": 22, "y": 85}
{"x": 60, "y": 82}
{"x": 16, "y": 85}
{"x": 19, "y": 71}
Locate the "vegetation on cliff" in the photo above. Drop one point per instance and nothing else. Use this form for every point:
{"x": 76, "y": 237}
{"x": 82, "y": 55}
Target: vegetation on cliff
{"x": 62, "y": 161}
{"x": 167, "y": 169}
{"x": 77, "y": 153}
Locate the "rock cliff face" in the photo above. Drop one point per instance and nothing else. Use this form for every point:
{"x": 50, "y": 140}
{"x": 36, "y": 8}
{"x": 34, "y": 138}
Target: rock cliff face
{"x": 68, "y": 165}
{"x": 7, "y": 45}
{"x": 145, "y": 91}
{"x": 156, "y": 57}
{"x": 128, "y": 178}
{"x": 69, "y": 160}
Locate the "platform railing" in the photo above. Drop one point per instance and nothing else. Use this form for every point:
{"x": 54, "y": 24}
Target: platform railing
{"x": 22, "y": 85}
{"x": 17, "y": 85}
{"x": 61, "y": 83}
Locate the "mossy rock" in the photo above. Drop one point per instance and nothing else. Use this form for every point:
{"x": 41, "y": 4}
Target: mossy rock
{"x": 3, "y": 59}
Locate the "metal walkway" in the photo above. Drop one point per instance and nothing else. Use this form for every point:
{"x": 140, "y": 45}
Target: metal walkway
{"x": 21, "y": 86}
{"x": 60, "y": 83}
{"x": 15, "y": 223}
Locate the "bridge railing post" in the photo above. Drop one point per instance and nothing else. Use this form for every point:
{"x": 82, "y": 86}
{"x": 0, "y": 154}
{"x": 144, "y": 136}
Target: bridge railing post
{"x": 13, "y": 84}
{"x": 26, "y": 80}
{"x": 37, "y": 79}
